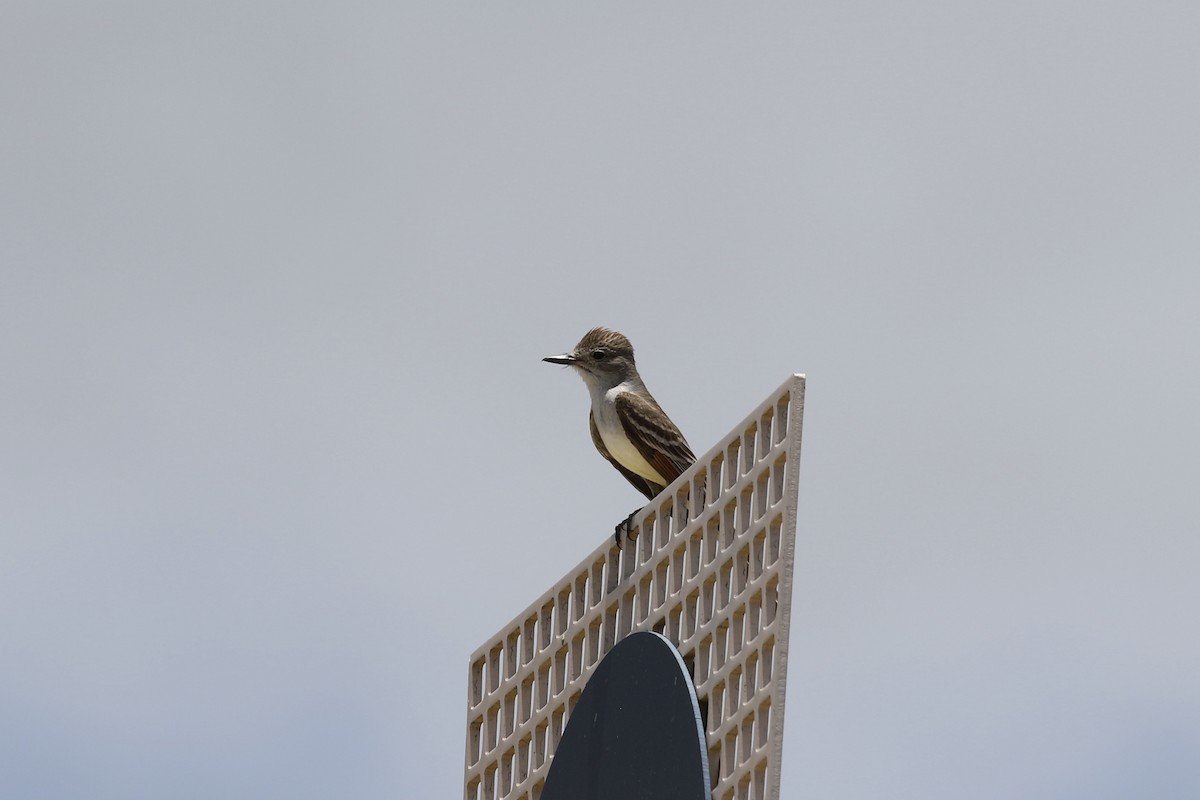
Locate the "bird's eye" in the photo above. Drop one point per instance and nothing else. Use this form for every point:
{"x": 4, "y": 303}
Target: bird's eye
{"x": 599, "y": 355}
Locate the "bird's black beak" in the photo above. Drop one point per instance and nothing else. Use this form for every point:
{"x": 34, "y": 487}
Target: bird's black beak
{"x": 565, "y": 358}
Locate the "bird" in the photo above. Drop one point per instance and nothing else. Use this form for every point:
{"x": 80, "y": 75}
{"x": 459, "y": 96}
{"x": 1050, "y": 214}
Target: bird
{"x": 628, "y": 426}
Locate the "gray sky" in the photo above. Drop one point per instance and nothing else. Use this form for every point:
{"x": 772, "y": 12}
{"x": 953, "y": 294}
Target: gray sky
{"x": 277, "y": 450}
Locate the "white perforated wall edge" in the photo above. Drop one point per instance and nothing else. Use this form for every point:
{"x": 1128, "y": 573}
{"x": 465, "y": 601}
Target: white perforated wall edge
{"x": 711, "y": 569}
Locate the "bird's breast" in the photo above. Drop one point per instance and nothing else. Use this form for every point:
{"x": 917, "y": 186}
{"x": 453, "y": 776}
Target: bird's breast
{"x": 617, "y": 441}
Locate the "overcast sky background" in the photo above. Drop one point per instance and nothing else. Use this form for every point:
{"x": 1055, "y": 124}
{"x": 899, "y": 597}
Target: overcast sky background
{"x": 277, "y": 449}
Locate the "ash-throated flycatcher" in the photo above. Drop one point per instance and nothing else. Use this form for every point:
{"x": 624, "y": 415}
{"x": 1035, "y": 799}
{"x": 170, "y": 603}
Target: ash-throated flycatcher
{"x": 628, "y": 426}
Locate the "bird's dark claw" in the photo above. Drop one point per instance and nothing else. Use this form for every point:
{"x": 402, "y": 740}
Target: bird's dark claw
{"x": 626, "y": 526}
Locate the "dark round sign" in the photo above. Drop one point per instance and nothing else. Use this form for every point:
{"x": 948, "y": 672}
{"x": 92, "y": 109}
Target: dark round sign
{"x": 635, "y": 732}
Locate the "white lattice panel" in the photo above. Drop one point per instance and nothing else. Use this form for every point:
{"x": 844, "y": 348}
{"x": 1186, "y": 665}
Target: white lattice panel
{"x": 711, "y": 569}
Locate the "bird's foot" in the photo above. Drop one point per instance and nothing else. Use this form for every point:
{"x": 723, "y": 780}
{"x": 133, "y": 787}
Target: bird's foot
{"x": 625, "y": 526}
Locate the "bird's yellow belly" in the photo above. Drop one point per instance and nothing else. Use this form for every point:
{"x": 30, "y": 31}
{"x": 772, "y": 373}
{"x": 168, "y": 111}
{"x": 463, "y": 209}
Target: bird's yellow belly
{"x": 628, "y": 456}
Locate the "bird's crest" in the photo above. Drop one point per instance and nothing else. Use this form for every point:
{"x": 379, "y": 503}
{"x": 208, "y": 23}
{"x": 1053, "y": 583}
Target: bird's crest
{"x": 609, "y": 340}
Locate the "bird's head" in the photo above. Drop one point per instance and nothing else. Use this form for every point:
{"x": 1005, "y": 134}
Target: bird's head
{"x": 602, "y": 355}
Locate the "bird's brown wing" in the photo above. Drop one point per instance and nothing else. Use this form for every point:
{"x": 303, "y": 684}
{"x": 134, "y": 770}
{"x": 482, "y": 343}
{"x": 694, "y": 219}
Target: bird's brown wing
{"x": 654, "y": 435}
{"x": 641, "y": 484}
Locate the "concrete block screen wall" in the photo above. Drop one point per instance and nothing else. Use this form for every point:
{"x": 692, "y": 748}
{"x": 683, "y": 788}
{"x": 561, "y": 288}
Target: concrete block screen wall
{"x": 710, "y": 569}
